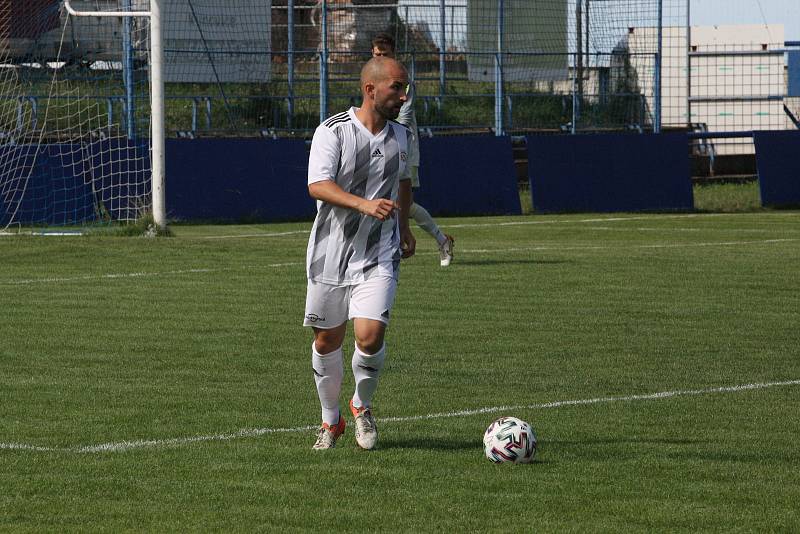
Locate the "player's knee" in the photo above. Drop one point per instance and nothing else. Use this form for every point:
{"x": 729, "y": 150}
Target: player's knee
{"x": 371, "y": 341}
{"x": 327, "y": 341}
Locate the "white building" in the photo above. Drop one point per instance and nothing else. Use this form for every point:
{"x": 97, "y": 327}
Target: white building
{"x": 737, "y": 79}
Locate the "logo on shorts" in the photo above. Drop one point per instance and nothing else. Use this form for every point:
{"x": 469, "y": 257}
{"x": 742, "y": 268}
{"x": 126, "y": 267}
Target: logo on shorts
{"x": 377, "y": 153}
{"x": 314, "y": 318}
{"x": 385, "y": 314}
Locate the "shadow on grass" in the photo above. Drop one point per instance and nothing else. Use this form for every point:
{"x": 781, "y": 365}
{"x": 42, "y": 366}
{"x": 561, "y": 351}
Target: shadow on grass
{"x": 488, "y": 261}
{"x": 431, "y": 444}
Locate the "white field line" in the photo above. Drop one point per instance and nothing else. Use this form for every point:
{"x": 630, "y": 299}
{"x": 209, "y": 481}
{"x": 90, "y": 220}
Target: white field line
{"x": 631, "y": 247}
{"x": 613, "y": 219}
{"x": 112, "y": 276}
{"x": 484, "y": 225}
{"x": 122, "y": 446}
{"x": 109, "y": 276}
{"x": 583, "y": 221}
{"x": 538, "y": 222}
{"x": 265, "y": 234}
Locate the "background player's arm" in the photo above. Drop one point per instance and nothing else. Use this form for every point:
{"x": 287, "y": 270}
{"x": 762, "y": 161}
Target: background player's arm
{"x": 329, "y": 191}
{"x": 408, "y": 242}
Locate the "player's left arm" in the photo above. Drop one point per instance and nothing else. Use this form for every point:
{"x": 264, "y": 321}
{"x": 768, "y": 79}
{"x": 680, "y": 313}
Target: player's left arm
{"x": 408, "y": 243}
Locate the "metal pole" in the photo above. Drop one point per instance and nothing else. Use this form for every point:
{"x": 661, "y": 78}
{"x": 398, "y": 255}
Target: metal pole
{"x": 498, "y": 70}
{"x": 442, "y": 47}
{"x": 290, "y": 60}
{"x": 127, "y": 71}
{"x": 157, "y": 102}
{"x": 586, "y": 40}
{"x": 657, "y": 95}
{"x": 579, "y": 46}
{"x": 323, "y": 64}
{"x": 74, "y": 13}
{"x": 688, "y": 62}
{"x": 573, "y": 127}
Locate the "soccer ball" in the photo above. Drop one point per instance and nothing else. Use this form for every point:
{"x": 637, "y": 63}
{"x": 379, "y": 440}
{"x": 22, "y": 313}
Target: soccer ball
{"x": 509, "y": 439}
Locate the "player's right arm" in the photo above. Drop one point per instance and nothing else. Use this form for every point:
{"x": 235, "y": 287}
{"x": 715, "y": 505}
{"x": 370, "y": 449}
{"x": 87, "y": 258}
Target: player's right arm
{"x": 323, "y": 166}
{"x": 329, "y": 191}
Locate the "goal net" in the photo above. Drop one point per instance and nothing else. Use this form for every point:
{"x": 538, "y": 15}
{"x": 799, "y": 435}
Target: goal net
{"x": 74, "y": 114}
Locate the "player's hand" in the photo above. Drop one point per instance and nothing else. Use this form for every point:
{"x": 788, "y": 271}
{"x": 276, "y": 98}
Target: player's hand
{"x": 380, "y": 208}
{"x": 408, "y": 243}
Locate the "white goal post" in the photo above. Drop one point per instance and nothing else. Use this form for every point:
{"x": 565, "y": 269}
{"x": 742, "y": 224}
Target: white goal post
{"x": 158, "y": 161}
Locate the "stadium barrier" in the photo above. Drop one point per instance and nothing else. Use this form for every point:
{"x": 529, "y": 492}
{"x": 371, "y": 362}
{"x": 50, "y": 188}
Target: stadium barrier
{"x": 238, "y": 180}
{"x": 609, "y": 173}
{"x": 778, "y": 167}
{"x": 265, "y": 180}
{"x": 468, "y": 175}
{"x": 246, "y": 180}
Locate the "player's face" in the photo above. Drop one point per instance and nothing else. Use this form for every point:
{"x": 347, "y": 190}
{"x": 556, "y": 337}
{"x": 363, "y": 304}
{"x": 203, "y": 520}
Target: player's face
{"x": 382, "y": 51}
{"x": 390, "y": 93}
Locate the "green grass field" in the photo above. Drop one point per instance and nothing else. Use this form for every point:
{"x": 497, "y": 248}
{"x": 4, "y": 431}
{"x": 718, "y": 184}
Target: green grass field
{"x": 165, "y": 384}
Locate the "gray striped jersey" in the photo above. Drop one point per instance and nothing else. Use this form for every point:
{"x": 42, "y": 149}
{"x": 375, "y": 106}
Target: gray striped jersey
{"x": 346, "y": 247}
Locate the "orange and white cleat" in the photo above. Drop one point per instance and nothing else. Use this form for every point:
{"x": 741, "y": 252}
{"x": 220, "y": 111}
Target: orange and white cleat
{"x": 327, "y": 436}
{"x": 366, "y": 430}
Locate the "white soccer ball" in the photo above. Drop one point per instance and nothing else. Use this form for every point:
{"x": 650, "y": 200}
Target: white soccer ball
{"x": 509, "y": 439}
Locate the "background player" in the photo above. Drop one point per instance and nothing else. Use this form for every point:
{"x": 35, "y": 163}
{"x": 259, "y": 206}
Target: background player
{"x": 383, "y": 45}
{"x": 357, "y": 173}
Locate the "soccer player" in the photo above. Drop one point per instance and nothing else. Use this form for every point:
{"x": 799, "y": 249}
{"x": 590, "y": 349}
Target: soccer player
{"x": 383, "y": 45}
{"x": 357, "y": 172}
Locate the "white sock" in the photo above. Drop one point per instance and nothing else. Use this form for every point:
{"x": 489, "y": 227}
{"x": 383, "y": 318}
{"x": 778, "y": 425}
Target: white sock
{"x": 366, "y": 370}
{"x": 328, "y": 373}
{"x": 426, "y": 222}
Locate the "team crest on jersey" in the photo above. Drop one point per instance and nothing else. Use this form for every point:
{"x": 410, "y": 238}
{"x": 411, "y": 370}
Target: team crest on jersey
{"x": 402, "y": 156}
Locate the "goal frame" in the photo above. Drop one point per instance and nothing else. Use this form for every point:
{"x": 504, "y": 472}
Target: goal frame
{"x": 157, "y": 134}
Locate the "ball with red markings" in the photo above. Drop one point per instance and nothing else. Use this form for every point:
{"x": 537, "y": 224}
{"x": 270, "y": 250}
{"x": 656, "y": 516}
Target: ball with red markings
{"x": 509, "y": 439}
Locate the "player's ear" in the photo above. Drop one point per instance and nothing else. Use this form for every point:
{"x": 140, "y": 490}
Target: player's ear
{"x": 369, "y": 89}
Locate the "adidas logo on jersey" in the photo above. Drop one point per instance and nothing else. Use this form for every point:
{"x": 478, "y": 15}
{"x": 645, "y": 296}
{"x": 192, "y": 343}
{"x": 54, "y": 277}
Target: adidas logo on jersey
{"x": 377, "y": 153}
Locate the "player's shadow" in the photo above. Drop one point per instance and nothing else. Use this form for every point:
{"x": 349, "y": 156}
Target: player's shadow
{"x": 431, "y": 444}
{"x": 492, "y": 261}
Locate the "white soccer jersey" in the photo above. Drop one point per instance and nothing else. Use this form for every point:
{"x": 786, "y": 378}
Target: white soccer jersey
{"x": 408, "y": 118}
{"x": 347, "y": 247}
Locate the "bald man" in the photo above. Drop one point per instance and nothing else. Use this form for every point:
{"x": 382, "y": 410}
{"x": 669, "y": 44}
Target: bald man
{"x": 358, "y": 175}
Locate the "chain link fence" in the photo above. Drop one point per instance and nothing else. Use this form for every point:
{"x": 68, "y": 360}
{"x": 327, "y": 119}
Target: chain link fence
{"x": 277, "y": 67}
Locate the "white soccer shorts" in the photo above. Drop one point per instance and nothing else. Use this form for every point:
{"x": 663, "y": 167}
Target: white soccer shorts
{"x": 328, "y": 306}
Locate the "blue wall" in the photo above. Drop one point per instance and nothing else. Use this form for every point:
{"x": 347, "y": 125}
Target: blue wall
{"x": 778, "y": 162}
{"x": 266, "y": 179}
{"x": 609, "y": 173}
{"x": 234, "y": 179}
{"x": 259, "y": 179}
{"x": 468, "y": 175}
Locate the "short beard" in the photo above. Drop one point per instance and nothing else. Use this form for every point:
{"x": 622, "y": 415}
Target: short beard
{"x": 387, "y": 112}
